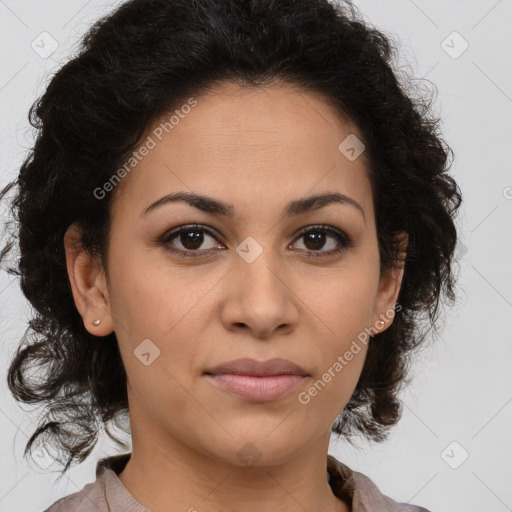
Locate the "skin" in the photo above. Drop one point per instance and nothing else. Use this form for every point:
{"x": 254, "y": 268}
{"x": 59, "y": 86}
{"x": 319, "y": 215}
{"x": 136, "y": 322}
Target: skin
{"x": 255, "y": 149}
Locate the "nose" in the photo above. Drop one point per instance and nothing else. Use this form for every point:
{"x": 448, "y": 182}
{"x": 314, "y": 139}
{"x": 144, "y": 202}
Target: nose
{"x": 260, "y": 298}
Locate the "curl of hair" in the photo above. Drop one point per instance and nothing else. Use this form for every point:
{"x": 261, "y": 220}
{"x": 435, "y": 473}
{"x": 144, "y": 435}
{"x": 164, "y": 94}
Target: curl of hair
{"x": 141, "y": 62}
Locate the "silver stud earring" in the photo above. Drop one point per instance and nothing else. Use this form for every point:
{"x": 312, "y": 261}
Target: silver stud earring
{"x": 380, "y": 323}
{"x": 96, "y": 322}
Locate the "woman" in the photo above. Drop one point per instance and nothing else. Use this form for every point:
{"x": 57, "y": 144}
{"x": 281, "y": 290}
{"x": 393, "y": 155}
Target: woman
{"x": 231, "y": 224}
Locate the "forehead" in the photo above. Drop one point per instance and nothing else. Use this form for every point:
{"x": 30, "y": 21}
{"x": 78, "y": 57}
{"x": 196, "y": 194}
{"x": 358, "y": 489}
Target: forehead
{"x": 230, "y": 115}
{"x": 250, "y": 143}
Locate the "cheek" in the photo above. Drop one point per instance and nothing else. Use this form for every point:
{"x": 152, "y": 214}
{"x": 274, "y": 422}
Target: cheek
{"x": 158, "y": 336}
{"x": 161, "y": 314}
{"x": 336, "y": 380}
{"x": 149, "y": 299}
{"x": 345, "y": 306}
{"x": 346, "y": 301}
{"x": 330, "y": 391}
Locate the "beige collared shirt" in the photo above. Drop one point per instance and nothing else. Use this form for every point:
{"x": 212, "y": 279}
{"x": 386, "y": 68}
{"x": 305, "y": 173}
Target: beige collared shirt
{"x": 108, "y": 494}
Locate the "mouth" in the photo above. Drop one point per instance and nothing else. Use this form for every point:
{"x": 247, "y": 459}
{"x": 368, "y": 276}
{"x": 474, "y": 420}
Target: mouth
{"x": 257, "y": 381}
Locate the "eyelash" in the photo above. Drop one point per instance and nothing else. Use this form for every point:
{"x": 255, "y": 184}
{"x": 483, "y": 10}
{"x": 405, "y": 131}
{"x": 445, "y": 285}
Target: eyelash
{"x": 339, "y": 236}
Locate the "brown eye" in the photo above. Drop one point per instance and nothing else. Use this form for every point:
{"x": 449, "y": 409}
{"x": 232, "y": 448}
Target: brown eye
{"x": 317, "y": 237}
{"x": 191, "y": 239}
{"x": 314, "y": 240}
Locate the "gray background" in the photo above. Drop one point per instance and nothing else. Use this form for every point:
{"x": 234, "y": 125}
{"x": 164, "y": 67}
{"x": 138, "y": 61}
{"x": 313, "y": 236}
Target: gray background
{"x": 461, "y": 392}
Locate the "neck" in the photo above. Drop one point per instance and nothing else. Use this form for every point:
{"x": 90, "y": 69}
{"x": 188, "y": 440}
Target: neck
{"x": 180, "y": 478}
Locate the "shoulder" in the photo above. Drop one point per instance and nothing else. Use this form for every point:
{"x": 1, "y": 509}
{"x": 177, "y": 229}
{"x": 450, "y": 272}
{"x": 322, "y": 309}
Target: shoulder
{"x": 362, "y": 491}
{"x": 89, "y": 499}
{"x": 105, "y": 494}
{"x": 93, "y": 497}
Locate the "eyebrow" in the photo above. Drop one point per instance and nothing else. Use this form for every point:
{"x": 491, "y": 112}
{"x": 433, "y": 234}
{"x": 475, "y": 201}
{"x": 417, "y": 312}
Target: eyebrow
{"x": 214, "y": 206}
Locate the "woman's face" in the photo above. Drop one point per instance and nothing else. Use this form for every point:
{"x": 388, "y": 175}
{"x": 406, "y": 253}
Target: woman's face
{"x": 247, "y": 282}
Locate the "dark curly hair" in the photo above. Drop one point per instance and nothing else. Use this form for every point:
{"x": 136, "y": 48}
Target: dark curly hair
{"x": 141, "y": 62}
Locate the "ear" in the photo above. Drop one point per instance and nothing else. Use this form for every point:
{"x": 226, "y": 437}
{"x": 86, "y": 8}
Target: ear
{"x": 389, "y": 288}
{"x": 88, "y": 284}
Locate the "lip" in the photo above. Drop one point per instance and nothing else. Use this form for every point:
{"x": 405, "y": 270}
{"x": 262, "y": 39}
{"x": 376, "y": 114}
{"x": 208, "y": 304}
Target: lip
{"x": 276, "y": 366}
{"x": 257, "y": 381}
{"x": 257, "y": 389}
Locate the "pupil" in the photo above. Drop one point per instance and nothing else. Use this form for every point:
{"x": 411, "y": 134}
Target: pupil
{"x": 317, "y": 239}
{"x": 196, "y": 242}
